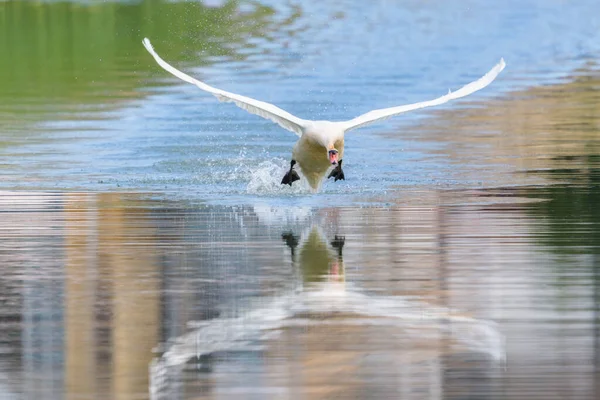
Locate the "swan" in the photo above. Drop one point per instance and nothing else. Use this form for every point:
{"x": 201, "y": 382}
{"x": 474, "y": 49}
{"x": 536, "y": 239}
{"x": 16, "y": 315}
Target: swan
{"x": 321, "y": 143}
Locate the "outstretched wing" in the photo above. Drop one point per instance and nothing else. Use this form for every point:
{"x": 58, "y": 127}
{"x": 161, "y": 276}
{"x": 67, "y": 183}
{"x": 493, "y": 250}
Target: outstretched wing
{"x": 385, "y": 113}
{"x": 261, "y": 108}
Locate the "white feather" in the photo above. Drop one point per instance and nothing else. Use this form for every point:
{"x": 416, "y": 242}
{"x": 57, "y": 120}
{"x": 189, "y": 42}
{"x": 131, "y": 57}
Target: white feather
{"x": 385, "y": 113}
{"x": 317, "y": 137}
{"x": 260, "y": 108}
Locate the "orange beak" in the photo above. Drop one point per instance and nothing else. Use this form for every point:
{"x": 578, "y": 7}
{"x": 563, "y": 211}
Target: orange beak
{"x": 333, "y": 156}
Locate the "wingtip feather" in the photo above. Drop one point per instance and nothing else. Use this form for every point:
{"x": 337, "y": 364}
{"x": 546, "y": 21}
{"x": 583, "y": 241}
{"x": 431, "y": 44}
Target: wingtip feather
{"x": 147, "y": 44}
{"x": 501, "y": 64}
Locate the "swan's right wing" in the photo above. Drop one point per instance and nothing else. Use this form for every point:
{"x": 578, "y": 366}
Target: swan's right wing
{"x": 260, "y": 108}
{"x": 385, "y": 113}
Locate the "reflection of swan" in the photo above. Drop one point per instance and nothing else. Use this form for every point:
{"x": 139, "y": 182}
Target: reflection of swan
{"x": 320, "y": 302}
{"x": 321, "y": 143}
{"x": 280, "y": 216}
{"x": 317, "y": 259}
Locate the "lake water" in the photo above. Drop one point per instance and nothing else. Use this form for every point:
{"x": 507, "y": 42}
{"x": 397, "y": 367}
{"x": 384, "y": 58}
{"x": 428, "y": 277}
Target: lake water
{"x": 148, "y": 250}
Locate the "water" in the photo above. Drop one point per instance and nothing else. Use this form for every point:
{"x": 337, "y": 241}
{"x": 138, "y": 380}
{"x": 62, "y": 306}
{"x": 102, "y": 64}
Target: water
{"x": 86, "y": 108}
{"x": 149, "y": 251}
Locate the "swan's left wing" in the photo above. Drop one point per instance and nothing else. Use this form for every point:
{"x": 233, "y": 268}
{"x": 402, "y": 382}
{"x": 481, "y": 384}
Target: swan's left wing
{"x": 385, "y": 113}
{"x": 260, "y": 108}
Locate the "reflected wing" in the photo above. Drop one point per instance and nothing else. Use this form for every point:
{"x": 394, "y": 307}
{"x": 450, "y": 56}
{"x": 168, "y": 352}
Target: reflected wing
{"x": 265, "y": 110}
{"x": 384, "y": 113}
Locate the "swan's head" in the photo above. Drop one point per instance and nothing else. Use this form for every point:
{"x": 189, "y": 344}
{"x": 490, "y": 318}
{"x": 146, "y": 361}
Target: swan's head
{"x": 328, "y": 134}
{"x": 333, "y": 156}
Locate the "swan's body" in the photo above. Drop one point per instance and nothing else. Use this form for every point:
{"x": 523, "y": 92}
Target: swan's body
{"x": 321, "y": 143}
{"x": 309, "y": 152}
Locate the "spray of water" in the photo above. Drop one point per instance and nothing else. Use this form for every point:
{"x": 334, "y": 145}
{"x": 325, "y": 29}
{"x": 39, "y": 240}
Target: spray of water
{"x": 265, "y": 180}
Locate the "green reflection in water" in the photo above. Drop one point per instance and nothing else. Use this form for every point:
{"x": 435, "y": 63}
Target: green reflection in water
{"x": 571, "y": 215}
{"x": 64, "y": 56}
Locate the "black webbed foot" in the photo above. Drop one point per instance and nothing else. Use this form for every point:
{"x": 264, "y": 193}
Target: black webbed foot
{"x": 337, "y": 173}
{"x": 291, "y": 176}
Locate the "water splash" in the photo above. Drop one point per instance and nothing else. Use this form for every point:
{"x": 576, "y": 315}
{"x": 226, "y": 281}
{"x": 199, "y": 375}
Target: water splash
{"x": 266, "y": 180}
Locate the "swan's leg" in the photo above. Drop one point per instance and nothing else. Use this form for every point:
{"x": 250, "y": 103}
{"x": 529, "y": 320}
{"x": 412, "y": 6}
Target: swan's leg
{"x": 291, "y": 176}
{"x": 337, "y": 172}
{"x": 292, "y": 241}
{"x": 338, "y": 244}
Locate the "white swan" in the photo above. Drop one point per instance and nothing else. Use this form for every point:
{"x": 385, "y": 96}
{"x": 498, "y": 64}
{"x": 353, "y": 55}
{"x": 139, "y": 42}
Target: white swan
{"x": 321, "y": 143}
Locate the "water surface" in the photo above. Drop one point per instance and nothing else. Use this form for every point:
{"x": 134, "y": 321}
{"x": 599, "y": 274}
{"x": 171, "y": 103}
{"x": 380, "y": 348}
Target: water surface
{"x": 149, "y": 251}
{"x": 86, "y": 108}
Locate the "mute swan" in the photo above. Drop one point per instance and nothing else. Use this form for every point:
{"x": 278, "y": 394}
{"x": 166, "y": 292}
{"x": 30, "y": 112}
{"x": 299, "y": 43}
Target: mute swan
{"x": 321, "y": 143}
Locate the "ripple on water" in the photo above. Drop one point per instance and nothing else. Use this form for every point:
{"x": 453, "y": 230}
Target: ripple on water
{"x": 496, "y": 298}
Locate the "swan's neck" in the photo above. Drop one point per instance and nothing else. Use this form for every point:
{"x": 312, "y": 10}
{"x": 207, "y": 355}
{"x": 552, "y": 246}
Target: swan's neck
{"x": 325, "y": 133}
